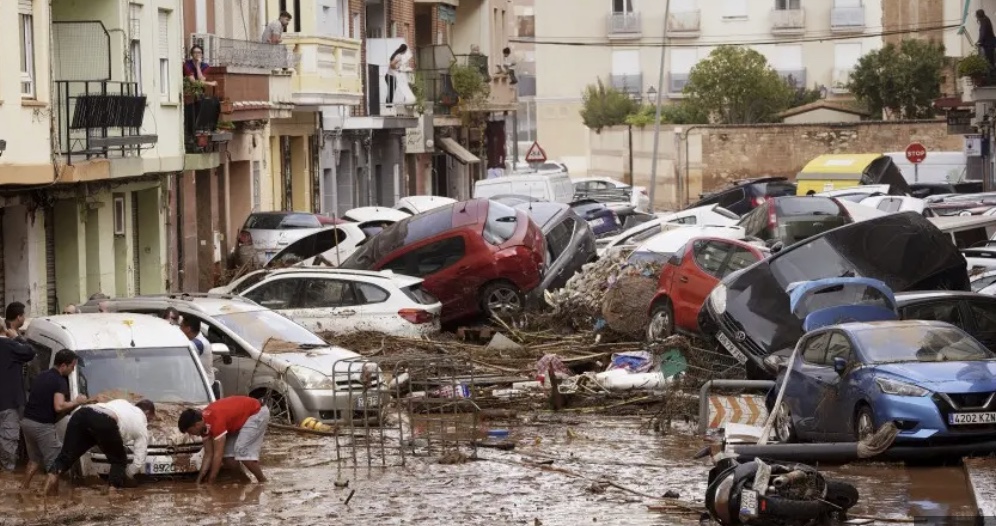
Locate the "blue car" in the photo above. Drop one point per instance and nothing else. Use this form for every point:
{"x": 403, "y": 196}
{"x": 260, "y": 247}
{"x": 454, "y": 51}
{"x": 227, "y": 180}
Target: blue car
{"x": 859, "y": 367}
{"x": 602, "y": 220}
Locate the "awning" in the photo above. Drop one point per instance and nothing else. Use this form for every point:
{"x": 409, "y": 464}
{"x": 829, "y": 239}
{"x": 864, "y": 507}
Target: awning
{"x": 451, "y": 147}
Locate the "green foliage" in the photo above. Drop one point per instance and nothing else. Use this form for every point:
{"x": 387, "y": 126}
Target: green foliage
{"x": 192, "y": 88}
{"x": 901, "y": 80}
{"x": 735, "y": 85}
{"x": 605, "y": 106}
{"x": 803, "y": 96}
{"x": 469, "y": 83}
{"x": 418, "y": 89}
{"x": 973, "y": 66}
{"x": 675, "y": 113}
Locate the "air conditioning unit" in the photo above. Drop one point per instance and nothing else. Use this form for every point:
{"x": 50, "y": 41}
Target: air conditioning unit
{"x": 207, "y": 42}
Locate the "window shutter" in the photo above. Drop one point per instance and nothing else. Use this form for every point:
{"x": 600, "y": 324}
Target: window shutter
{"x": 25, "y": 6}
{"x": 164, "y": 34}
{"x": 135, "y": 16}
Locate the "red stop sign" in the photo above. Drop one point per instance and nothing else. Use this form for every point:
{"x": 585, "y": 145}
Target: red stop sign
{"x": 916, "y": 153}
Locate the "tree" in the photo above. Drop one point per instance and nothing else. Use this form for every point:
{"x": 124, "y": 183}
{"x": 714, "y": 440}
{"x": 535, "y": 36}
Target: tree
{"x": 735, "y": 85}
{"x": 900, "y": 81}
{"x": 605, "y": 107}
{"x": 679, "y": 112}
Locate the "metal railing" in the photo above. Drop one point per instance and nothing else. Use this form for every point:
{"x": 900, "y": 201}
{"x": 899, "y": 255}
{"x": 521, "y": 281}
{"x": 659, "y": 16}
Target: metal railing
{"x": 437, "y": 85}
{"x": 841, "y": 80}
{"x": 684, "y": 22}
{"x": 477, "y": 61}
{"x": 788, "y": 20}
{"x": 847, "y": 18}
{"x": 624, "y": 24}
{"x": 231, "y": 52}
{"x": 630, "y": 84}
{"x": 99, "y": 119}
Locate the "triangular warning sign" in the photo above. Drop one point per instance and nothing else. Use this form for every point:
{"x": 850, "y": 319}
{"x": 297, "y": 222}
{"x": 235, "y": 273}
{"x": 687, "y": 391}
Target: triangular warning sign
{"x": 535, "y": 154}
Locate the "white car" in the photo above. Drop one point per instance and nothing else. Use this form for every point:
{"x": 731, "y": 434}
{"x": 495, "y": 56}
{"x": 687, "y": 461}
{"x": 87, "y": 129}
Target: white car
{"x": 710, "y": 215}
{"x": 856, "y": 193}
{"x": 325, "y": 248}
{"x": 345, "y": 301}
{"x": 266, "y": 233}
{"x": 551, "y": 167}
{"x": 375, "y": 214}
{"x": 984, "y": 280}
{"x": 893, "y": 204}
{"x": 639, "y": 200}
{"x": 671, "y": 241}
{"x": 416, "y": 204}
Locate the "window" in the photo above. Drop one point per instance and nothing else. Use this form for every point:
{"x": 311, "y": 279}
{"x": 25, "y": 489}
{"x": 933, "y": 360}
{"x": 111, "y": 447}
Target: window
{"x": 622, "y": 6}
{"x": 683, "y": 60}
{"x": 890, "y": 205}
{"x": 431, "y": 258}
{"x": 500, "y": 224}
{"x": 684, "y": 6}
{"x": 643, "y": 235}
{"x": 276, "y": 294}
{"x": 814, "y": 350}
{"x": 393, "y": 30}
{"x": 732, "y": 197}
{"x": 368, "y": 293}
{"x": 734, "y": 9}
{"x": 357, "y": 25}
{"x": 119, "y": 215}
{"x": 982, "y": 283}
{"x": 26, "y": 37}
{"x": 840, "y": 347}
{"x": 687, "y": 220}
{"x": 559, "y": 238}
{"x": 985, "y": 316}
{"x": 846, "y": 55}
{"x": 327, "y": 293}
{"x": 783, "y": 5}
{"x": 257, "y": 174}
{"x": 939, "y": 311}
{"x": 525, "y": 21}
{"x": 164, "y": 85}
{"x": 41, "y": 363}
{"x": 709, "y": 255}
{"x": 741, "y": 259}
{"x": 135, "y": 45}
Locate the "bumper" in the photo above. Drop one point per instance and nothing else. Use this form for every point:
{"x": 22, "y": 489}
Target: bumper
{"x": 921, "y": 420}
{"x": 711, "y": 325}
{"x": 156, "y": 465}
{"x": 338, "y": 406}
{"x": 260, "y": 257}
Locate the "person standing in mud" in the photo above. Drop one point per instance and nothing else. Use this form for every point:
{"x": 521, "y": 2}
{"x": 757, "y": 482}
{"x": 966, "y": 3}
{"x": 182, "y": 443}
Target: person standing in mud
{"x": 191, "y": 328}
{"x": 14, "y": 354}
{"x": 232, "y": 430}
{"x": 109, "y": 426}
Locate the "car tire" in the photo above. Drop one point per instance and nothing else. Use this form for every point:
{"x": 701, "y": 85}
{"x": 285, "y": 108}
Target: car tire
{"x": 280, "y": 411}
{"x": 661, "y": 323}
{"x": 501, "y": 299}
{"x": 864, "y": 422}
{"x": 784, "y": 428}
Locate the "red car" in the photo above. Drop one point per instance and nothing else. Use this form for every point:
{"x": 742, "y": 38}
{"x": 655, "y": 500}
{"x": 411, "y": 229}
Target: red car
{"x": 689, "y": 276}
{"x": 476, "y": 256}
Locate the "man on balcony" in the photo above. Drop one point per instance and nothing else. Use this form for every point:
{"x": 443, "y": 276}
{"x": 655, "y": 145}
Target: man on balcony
{"x": 274, "y": 32}
{"x": 987, "y": 39}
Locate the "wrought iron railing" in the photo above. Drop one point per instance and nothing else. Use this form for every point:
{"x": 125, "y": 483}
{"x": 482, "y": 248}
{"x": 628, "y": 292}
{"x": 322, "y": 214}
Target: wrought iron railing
{"x": 437, "y": 85}
{"x": 230, "y": 52}
{"x": 99, "y": 119}
{"x": 477, "y": 61}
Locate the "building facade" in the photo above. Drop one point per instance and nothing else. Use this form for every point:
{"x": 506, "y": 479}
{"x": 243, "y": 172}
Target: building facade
{"x": 618, "y": 41}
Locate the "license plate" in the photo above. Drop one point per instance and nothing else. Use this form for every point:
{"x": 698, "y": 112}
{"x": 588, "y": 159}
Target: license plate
{"x": 370, "y": 400}
{"x": 971, "y": 418}
{"x": 748, "y": 503}
{"x": 160, "y": 468}
{"x": 728, "y": 345}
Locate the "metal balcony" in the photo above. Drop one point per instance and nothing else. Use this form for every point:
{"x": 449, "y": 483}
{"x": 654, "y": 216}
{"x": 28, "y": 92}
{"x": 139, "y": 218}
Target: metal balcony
{"x": 676, "y": 82}
{"x": 847, "y": 19}
{"x": 624, "y": 25}
{"x": 841, "y": 79}
{"x": 796, "y": 77}
{"x": 788, "y": 21}
{"x": 238, "y": 54}
{"x": 685, "y": 24}
{"x": 631, "y": 84}
{"x": 100, "y": 119}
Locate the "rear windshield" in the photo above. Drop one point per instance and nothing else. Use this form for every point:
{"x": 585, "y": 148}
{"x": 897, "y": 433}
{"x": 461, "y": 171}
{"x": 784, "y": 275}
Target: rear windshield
{"x": 419, "y": 295}
{"x": 281, "y": 221}
{"x": 776, "y": 188}
{"x": 725, "y": 213}
{"x": 501, "y": 223}
{"x": 807, "y": 206}
{"x": 404, "y": 232}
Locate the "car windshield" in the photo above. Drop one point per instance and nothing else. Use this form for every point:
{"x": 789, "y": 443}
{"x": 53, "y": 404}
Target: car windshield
{"x": 920, "y": 343}
{"x": 776, "y": 188}
{"x": 163, "y": 375}
{"x": 248, "y": 281}
{"x": 258, "y": 327}
{"x": 807, "y": 206}
{"x": 501, "y": 223}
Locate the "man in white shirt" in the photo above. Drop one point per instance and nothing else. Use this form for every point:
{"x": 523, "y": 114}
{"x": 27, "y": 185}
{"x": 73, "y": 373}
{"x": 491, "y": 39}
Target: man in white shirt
{"x": 191, "y": 328}
{"x": 109, "y": 426}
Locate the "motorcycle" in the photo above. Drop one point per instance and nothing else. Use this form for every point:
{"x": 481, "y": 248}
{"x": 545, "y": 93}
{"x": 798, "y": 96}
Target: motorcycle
{"x": 776, "y": 494}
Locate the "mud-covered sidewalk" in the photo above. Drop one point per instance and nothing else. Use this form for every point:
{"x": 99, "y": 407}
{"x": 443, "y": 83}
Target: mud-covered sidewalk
{"x": 541, "y": 479}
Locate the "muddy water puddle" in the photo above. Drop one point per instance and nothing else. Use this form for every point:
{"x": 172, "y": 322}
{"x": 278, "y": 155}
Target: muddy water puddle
{"x": 513, "y": 487}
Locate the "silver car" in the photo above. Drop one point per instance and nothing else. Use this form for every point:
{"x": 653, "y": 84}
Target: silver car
{"x": 264, "y": 234}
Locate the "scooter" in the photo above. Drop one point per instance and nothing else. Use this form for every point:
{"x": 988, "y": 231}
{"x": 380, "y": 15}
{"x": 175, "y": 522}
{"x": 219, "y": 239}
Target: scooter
{"x": 776, "y": 494}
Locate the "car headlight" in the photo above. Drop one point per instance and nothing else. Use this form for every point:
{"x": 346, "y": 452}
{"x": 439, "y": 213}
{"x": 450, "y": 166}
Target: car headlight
{"x": 895, "y": 387}
{"x": 717, "y": 298}
{"x": 312, "y": 379}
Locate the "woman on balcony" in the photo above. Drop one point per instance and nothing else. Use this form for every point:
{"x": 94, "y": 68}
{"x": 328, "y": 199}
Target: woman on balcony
{"x": 195, "y": 69}
{"x": 398, "y": 79}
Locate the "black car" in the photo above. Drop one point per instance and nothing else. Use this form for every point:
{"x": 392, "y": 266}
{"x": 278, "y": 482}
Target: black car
{"x": 748, "y": 312}
{"x": 570, "y": 243}
{"x": 747, "y": 194}
{"x": 790, "y": 219}
{"x": 923, "y": 190}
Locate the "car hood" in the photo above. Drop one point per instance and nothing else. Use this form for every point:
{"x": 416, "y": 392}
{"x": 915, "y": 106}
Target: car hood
{"x": 947, "y": 377}
{"x": 325, "y": 360}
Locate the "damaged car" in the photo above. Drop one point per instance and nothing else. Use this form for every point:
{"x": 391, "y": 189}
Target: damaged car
{"x": 328, "y": 247}
{"x": 748, "y": 313}
{"x": 786, "y": 220}
{"x": 570, "y": 244}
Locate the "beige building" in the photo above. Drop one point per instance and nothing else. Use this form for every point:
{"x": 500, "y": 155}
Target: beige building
{"x": 618, "y": 41}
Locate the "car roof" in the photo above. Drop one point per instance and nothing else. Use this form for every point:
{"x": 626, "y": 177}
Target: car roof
{"x": 543, "y": 212}
{"x": 906, "y": 298}
{"x": 112, "y": 330}
{"x": 863, "y": 326}
{"x": 382, "y": 276}
{"x": 207, "y": 304}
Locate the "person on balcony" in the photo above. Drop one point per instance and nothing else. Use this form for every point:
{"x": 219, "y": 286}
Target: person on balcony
{"x": 274, "y": 32}
{"x": 195, "y": 69}
{"x": 508, "y": 66}
{"x": 397, "y": 77}
{"x": 987, "y": 39}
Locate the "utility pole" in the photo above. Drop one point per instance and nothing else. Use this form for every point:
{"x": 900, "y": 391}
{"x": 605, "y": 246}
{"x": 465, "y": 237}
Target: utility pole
{"x": 657, "y": 114}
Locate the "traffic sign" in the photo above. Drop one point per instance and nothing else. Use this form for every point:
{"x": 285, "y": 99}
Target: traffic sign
{"x": 916, "y": 153}
{"x": 535, "y": 154}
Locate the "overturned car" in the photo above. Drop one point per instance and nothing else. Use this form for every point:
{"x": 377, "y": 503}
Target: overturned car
{"x": 748, "y": 313}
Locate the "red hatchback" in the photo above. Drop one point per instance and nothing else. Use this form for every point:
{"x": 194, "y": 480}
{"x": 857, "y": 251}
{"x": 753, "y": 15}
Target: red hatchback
{"x": 689, "y": 276}
{"x": 476, "y": 256}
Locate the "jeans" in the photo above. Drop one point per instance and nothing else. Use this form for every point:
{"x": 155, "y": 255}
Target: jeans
{"x": 990, "y": 53}
{"x": 392, "y": 86}
{"x": 87, "y": 428}
{"x": 10, "y": 433}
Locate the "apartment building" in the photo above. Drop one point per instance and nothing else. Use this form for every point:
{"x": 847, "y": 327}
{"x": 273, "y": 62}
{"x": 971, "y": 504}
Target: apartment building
{"x": 980, "y": 101}
{"x": 618, "y": 42}
{"x": 92, "y": 133}
{"x": 525, "y": 60}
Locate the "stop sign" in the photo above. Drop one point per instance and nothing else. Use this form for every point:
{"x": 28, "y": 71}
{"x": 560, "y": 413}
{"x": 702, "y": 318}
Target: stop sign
{"x": 916, "y": 153}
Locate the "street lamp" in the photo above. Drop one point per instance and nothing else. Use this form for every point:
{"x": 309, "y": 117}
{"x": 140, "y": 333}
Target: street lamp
{"x": 3, "y": 147}
{"x": 651, "y": 93}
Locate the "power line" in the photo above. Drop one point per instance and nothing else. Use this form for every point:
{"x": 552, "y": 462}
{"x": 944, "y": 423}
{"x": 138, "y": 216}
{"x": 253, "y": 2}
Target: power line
{"x": 699, "y": 43}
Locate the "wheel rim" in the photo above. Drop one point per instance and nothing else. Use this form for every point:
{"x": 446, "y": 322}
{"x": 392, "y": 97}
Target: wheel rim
{"x": 783, "y": 420}
{"x": 659, "y": 325}
{"x": 279, "y": 412}
{"x": 866, "y": 427}
{"x": 504, "y": 301}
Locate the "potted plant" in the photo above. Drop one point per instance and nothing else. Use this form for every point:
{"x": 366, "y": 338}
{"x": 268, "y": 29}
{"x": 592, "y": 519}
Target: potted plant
{"x": 192, "y": 90}
{"x": 976, "y": 68}
{"x": 203, "y": 140}
{"x": 225, "y": 126}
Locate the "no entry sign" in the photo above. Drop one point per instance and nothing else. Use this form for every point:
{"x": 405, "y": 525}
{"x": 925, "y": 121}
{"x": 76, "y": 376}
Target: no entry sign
{"x": 916, "y": 153}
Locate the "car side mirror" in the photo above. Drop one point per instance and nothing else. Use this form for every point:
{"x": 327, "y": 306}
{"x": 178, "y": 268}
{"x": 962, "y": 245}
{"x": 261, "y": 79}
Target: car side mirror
{"x": 220, "y": 349}
{"x": 216, "y": 388}
{"x": 675, "y": 260}
{"x": 777, "y": 247}
{"x": 839, "y": 365}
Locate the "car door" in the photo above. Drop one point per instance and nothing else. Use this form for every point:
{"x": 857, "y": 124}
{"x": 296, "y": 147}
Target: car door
{"x": 327, "y": 305}
{"x": 278, "y": 294}
{"x": 378, "y": 313}
{"x": 695, "y": 279}
{"x": 805, "y": 390}
{"x": 983, "y": 320}
{"x": 234, "y": 371}
{"x": 449, "y": 274}
{"x": 834, "y": 411}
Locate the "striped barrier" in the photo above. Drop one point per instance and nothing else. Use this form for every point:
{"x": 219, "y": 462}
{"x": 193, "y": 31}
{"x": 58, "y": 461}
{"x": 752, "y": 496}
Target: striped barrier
{"x": 717, "y": 410}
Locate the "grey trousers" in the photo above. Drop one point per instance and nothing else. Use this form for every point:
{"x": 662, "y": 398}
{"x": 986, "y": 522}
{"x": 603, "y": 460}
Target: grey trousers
{"x": 10, "y": 433}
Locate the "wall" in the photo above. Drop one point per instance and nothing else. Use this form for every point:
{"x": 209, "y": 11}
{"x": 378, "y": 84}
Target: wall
{"x": 719, "y": 154}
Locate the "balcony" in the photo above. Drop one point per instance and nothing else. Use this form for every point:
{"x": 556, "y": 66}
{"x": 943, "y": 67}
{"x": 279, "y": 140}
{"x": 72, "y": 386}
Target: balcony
{"x": 326, "y": 70}
{"x": 788, "y": 21}
{"x": 624, "y": 25}
{"x": 847, "y": 19}
{"x": 841, "y": 79}
{"x": 99, "y": 119}
{"x": 676, "y": 83}
{"x": 631, "y": 84}
{"x": 795, "y": 77}
{"x": 685, "y": 24}
{"x": 239, "y": 55}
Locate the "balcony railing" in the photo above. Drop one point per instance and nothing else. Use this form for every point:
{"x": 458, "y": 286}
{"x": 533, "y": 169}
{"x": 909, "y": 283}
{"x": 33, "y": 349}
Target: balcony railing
{"x": 624, "y": 25}
{"x": 438, "y": 87}
{"x": 234, "y": 53}
{"x": 847, "y": 19}
{"x": 685, "y": 24}
{"x": 788, "y": 21}
{"x": 676, "y": 82}
{"x": 795, "y": 77}
{"x": 527, "y": 85}
{"x": 100, "y": 119}
{"x": 631, "y": 84}
{"x": 326, "y": 70}
{"x": 841, "y": 79}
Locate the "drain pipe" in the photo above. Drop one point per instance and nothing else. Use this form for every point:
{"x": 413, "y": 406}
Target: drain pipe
{"x": 687, "y": 163}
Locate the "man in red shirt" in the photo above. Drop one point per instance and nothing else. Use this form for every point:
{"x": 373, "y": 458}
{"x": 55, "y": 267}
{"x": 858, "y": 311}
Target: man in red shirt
{"x": 232, "y": 430}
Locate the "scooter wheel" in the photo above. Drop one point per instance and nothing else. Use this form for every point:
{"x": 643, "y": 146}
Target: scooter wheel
{"x": 841, "y": 494}
{"x": 807, "y": 510}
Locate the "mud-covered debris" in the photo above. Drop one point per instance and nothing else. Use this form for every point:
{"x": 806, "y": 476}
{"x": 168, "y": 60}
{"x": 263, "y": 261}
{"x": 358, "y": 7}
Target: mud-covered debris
{"x": 453, "y": 457}
{"x": 500, "y": 343}
{"x": 278, "y": 346}
{"x": 627, "y": 304}
{"x": 597, "y": 488}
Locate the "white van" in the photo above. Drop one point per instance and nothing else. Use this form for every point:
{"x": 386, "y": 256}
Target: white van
{"x": 936, "y": 168}
{"x": 130, "y": 354}
{"x": 555, "y": 187}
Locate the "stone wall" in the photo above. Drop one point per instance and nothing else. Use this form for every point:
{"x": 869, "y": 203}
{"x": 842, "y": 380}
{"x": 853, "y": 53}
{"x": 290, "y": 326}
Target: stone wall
{"x": 703, "y": 158}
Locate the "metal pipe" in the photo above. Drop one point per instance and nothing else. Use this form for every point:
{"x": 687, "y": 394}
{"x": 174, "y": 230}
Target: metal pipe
{"x": 631, "y": 176}
{"x": 706, "y": 387}
{"x": 657, "y": 118}
{"x": 687, "y": 164}
{"x": 846, "y": 452}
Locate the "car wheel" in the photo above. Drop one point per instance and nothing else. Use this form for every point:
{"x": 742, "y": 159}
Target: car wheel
{"x": 502, "y": 299}
{"x": 280, "y": 412}
{"x": 784, "y": 428}
{"x": 661, "y": 321}
{"x": 864, "y": 423}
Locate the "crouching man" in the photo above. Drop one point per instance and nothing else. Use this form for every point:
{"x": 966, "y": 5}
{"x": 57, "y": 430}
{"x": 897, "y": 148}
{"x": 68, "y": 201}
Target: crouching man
{"x": 109, "y": 426}
{"x": 232, "y": 430}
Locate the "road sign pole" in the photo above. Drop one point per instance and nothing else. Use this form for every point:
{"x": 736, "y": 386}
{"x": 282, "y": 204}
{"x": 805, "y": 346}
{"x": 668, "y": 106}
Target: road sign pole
{"x": 916, "y": 173}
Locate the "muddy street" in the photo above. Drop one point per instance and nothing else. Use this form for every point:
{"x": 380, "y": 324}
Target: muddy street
{"x": 503, "y": 487}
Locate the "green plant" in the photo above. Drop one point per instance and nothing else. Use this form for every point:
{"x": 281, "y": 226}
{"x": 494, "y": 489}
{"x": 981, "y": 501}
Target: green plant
{"x": 468, "y": 83}
{"x": 192, "y": 88}
{"x": 973, "y": 66}
{"x": 736, "y": 85}
{"x": 418, "y": 89}
{"x": 901, "y": 81}
{"x": 674, "y": 113}
{"x": 225, "y": 125}
{"x": 604, "y": 107}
